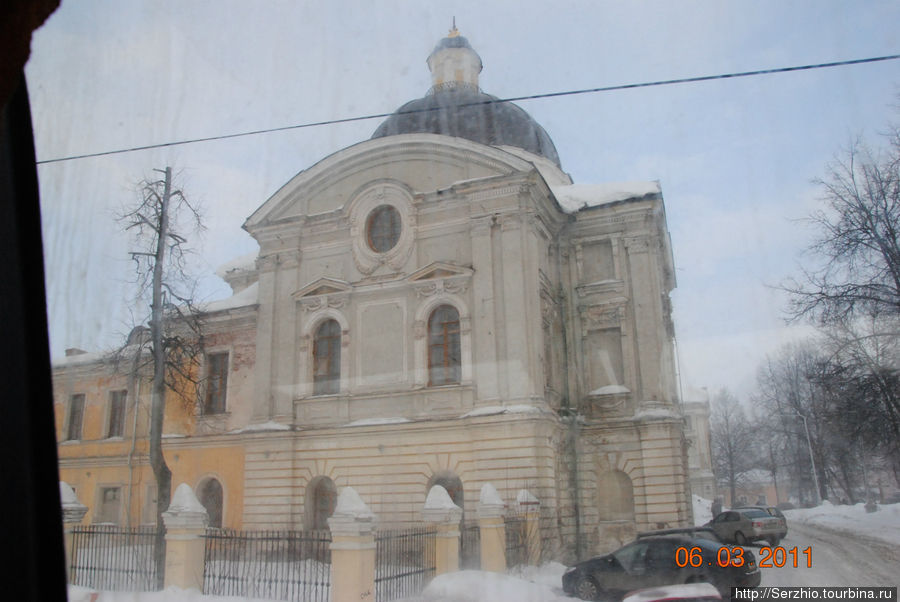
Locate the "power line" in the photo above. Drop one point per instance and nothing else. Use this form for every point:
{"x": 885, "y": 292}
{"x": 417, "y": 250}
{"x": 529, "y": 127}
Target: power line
{"x": 665, "y": 82}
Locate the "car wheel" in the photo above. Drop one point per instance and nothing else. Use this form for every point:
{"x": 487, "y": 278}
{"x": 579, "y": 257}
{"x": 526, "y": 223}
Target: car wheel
{"x": 586, "y": 589}
{"x": 773, "y": 541}
{"x": 739, "y": 538}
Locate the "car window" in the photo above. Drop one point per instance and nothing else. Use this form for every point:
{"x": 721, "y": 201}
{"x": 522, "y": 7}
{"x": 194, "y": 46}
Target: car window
{"x": 631, "y": 556}
{"x": 754, "y": 514}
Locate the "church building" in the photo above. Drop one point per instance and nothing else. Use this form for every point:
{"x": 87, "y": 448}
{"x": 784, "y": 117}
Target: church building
{"x": 439, "y": 304}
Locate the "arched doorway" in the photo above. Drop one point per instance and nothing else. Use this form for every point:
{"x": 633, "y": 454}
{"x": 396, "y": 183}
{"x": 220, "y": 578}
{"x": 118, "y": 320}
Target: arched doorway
{"x": 321, "y": 499}
{"x": 211, "y": 496}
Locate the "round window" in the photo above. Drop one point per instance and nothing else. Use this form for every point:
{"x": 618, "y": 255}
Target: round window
{"x": 383, "y": 228}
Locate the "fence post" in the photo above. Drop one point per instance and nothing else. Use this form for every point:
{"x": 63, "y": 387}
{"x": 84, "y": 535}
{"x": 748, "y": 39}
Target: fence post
{"x": 493, "y": 531}
{"x": 73, "y": 513}
{"x": 352, "y": 549}
{"x": 185, "y": 521}
{"x": 530, "y": 508}
{"x": 445, "y": 515}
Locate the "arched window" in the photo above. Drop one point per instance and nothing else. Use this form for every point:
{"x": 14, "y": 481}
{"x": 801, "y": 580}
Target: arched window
{"x": 327, "y": 358}
{"x": 211, "y": 498}
{"x": 321, "y": 499}
{"x": 616, "y": 496}
{"x": 443, "y": 346}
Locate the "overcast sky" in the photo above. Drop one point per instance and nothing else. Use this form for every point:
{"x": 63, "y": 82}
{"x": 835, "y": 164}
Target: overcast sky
{"x": 735, "y": 158}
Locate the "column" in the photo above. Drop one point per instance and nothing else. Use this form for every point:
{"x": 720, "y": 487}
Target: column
{"x": 352, "y": 549}
{"x": 185, "y": 521}
{"x": 491, "y": 510}
{"x": 440, "y": 511}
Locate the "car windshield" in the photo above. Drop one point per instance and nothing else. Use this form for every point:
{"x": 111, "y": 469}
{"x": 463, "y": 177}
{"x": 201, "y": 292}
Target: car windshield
{"x": 515, "y": 270}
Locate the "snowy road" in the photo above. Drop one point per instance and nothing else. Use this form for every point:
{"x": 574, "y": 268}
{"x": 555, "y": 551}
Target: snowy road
{"x": 837, "y": 559}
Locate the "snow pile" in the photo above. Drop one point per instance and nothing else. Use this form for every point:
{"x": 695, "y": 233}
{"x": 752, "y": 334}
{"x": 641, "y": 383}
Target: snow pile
{"x": 702, "y": 510}
{"x": 184, "y": 500}
{"x": 489, "y": 496}
{"x": 349, "y": 503}
{"x": 574, "y": 197}
{"x": 849, "y": 520}
{"x": 439, "y": 499}
{"x": 477, "y": 586}
{"x": 67, "y": 494}
{"x": 170, "y": 594}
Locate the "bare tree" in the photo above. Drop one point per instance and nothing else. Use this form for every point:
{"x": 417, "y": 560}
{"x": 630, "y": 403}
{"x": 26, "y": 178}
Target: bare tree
{"x": 159, "y": 222}
{"x": 856, "y": 255}
{"x": 732, "y": 440}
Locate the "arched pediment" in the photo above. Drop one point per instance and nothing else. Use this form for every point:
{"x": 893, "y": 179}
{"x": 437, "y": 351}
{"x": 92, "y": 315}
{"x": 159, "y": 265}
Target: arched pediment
{"x": 422, "y": 162}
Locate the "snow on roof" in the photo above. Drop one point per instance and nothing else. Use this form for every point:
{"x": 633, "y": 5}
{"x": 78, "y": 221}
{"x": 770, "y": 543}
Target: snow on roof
{"x": 82, "y": 358}
{"x": 574, "y": 197}
{"x": 244, "y": 262}
{"x": 248, "y": 296}
{"x": 67, "y": 494}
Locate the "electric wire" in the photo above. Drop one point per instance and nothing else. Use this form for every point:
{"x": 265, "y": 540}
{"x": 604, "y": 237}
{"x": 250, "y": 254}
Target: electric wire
{"x": 665, "y": 82}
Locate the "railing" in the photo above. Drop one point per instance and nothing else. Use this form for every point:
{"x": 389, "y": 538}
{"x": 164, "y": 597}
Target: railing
{"x": 278, "y": 565}
{"x": 112, "y": 558}
{"x": 516, "y": 541}
{"x": 404, "y": 562}
{"x": 469, "y": 546}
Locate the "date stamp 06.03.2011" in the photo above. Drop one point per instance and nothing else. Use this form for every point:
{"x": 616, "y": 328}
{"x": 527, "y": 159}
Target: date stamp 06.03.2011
{"x": 768, "y": 557}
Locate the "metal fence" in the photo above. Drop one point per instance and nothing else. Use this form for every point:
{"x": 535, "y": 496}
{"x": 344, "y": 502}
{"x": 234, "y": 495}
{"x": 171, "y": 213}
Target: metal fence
{"x": 516, "y": 541}
{"x": 404, "y": 562}
{"x": 113, "y": 558}
{"x": 278, "y": 565}
{"x": 469, "y": 546}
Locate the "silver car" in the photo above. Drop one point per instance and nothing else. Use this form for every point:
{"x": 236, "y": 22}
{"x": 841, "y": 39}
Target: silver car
{"x": 748, "y": 524}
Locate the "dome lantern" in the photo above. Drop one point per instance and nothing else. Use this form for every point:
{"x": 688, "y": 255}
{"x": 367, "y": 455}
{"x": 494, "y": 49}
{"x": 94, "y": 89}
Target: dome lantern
{"x": 453, "y": 63}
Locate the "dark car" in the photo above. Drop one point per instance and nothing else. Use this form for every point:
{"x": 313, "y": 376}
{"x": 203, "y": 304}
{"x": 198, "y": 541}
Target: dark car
{"x": 744, "y": 525}
{"x": 655, "y": 561}
{"x": 695, "y": 532}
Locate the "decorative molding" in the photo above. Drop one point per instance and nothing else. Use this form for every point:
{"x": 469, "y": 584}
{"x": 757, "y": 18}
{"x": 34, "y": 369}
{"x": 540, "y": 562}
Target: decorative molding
{"x": 323, "y": 293}
{"x": 438, "y": 278}
{"x": 382, "y": 192}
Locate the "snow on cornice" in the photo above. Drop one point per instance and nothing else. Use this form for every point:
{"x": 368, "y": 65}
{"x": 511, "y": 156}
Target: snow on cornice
{"x": 243, "y": 263}
{"x": 511, "y": 409}
{"x": 262, "y": 427}
{"x": 575, "y": 197}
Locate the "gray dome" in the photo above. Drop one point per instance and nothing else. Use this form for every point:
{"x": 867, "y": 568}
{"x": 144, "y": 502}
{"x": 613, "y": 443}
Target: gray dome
{"x": 463, "y": 112}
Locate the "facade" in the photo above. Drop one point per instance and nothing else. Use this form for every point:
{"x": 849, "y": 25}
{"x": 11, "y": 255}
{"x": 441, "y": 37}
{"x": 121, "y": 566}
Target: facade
{"x": 439, "y": 304}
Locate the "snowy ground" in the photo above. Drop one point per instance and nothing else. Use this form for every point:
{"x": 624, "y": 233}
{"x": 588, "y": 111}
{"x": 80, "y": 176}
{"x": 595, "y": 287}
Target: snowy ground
{"x": 848, "y": 547}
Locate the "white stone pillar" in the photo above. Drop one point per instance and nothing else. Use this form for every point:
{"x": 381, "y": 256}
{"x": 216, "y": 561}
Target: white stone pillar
{"x": 73, "y": 513}
{"x": 491, "y": 511}
{"x": 440, "y": 511}
{"x": 186, "y": 522}
{"x": 352, "y": 549}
